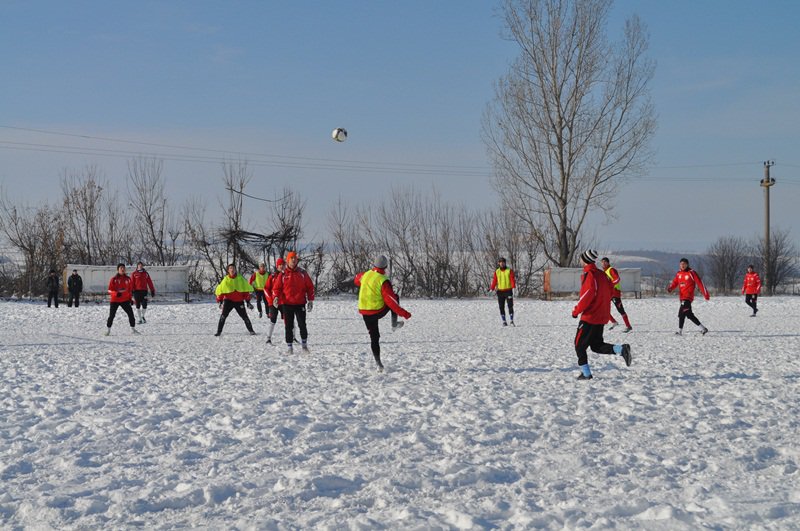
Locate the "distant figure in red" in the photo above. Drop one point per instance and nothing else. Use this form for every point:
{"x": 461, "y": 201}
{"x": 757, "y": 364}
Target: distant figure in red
{"x": 616, "y": 295}
{"x": 687, "y": 280}
{"x": 141, "y": 283}
{"x": 272, "y": 310}
{"x": 751, "y": 288}
{"x": 503, "y": 280}
{"x": 121, "y": 290}
{"x": 594, "y": 308}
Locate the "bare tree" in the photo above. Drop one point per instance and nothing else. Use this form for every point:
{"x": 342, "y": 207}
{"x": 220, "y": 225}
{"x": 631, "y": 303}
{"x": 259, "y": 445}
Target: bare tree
{"x": 570, "y": 119}
{"x": 507, "y": 236}
{"x": 781, "y": 263}
{"x": 83, "y": 193}
{"x": 158, "y": 235}
{"x": 725, "y": 260}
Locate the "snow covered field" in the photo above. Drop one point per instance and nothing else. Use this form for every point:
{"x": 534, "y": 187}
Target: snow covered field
{"x": 471, "y": 426}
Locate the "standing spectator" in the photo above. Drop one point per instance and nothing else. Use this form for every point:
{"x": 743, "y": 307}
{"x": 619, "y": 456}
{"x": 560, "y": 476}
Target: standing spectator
{"x": 75, "y": 287}
{"x": 121, "y": 290}
{"x": 376, "y": 298}
{"x": 594, "y": 308}
{"x": 232, "y": 293}
{"x": 293, "y": 289}
{"x": 503, "y": 280}
{"x": 687, "y": 280}
{"x": 52, "y": 283}
{"x": 751, "y": 288}
{"x": 141, "y": 283}
{"x": 258, "y": 280}
{"x": 616, "y": 295}
{"x": 273, "y": 310}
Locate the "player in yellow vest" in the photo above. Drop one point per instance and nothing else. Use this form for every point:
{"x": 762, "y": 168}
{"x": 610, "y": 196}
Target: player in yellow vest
{"x": 232, "y": 293}
{"x": 376, "y": 298}
{"x": 503, "y": 281}
{"x": 616, "y": 295}
{"x": 258, "y": 280}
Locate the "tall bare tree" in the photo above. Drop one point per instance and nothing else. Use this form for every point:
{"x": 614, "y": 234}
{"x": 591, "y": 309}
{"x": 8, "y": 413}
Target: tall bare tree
{"x": 571, "y": 118}
{"x": 781, "y": 263}
{"x": 725, "y": 260}
{"x": 155, "y": 228}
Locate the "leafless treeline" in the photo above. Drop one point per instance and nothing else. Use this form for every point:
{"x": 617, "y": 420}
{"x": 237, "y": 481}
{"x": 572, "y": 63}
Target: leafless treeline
{"x": 435, "y": 249}
{"x": 94, "y": 224}
{"x": 728, "y": 257}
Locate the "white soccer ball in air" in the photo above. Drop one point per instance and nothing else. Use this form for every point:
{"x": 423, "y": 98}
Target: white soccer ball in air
{"x": 339, "y": 134}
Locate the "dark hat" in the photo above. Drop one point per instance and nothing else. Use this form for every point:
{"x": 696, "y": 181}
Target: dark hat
{"x": 52, "y": 271}
{"x": 74, "y": 270}
{"x": 501, "y": 259}
{"x": 605, "y": 259}
{"x": 381, "y": 262}
{"x": 685, "y": 260}
{"x": 589, "y": 256}
{"x": 120, "y": 265}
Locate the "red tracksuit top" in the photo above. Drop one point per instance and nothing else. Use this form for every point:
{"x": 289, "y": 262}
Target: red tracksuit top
{"x": 120, "y": 287}
{"x": 594, "y": 301}
{"x": 687, "y": 281}
{"x": 293, "y": 287}
{"x": 752, "y": 284}
{"x": 142, "y": 281}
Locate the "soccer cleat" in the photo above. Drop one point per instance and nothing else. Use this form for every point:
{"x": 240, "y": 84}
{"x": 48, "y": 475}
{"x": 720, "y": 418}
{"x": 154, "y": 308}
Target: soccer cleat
{"x": 679, "y": 332}
{"x": 626, "y": 354}
{"x": 143, "y": 320}
{"x": 269, "y": 341}
{"x": 378, "y": 362}
{"x": 139, "y": 321}
{"x": 704, "y": 331}
{"x": 582, "y": 376}
{"x": 289, "y": 348}
{"x": 252, "y": 332}
{"x": 398, "y": 326}
{"x": 134, "y": 331}
{"x": 259, "y": 314}
{"x": 305, "y": 348}
{"x": 218, "y": 334}
{"x": 505, "y": 323}
{"x": 627, "y": 329}
{"x": 753, "y": 314}
{"x": 108, "y": 332}
{"x": 612, "y": 326}
{"x": 512, "y": 324}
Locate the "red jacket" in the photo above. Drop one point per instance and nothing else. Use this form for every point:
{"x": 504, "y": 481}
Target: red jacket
{"x": 752, "y": 284}
{"x": 142, "y": 281}
{"x": 688, "y": 280}
{"x": 293, "y": 287}
{"x": 120, "y": 287}
{"x": 269, "y": 284}
{"x": 388, "y": 294}
{"x": 594, "y": 301}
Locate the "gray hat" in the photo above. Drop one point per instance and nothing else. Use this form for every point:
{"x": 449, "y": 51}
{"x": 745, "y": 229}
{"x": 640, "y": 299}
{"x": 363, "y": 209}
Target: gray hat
{"x": 589, "y": 256}
{"x": 381, "y": 262}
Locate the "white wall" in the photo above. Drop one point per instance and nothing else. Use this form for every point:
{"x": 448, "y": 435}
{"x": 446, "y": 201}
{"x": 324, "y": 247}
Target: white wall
{"x": 166, "y": 279}
{"x": 568, "y": 279}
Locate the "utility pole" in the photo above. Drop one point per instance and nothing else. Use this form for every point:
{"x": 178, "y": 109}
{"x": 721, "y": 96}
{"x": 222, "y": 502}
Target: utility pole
{"x": 766, "y": 182}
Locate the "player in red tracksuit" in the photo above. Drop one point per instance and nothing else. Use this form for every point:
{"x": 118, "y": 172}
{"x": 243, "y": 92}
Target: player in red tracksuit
{"x": 376, "y": 298}
{"x": 687, "y": 280}
{"x": 594, "y": 308}
{"x": 273, "y": 310}
{"x": 120, "y": 288}
{"x": 295, "y": 292}
{"x": 141, "y": 283}
{"x": 616, "y": 294}
{"x": 751, "y": 288}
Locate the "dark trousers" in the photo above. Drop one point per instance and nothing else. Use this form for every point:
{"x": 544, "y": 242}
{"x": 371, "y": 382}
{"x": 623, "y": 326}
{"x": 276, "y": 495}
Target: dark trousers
{"x": 504, "y": 297}
{"x": 273, "y": 313}
{"x": 126, "y": 306}
{"x": 374, "y": 331}
{"x": 227, "y": 306}
{"x": 140, "y": 296}
{"x": 618, "y": 305}
{"x": 290, "y": 311}
{"x": 590, "y": 336}
{"x": 74, "y": 297}
{"x": 685, "y": 312}
{"x": 260, "y": 297}
{"x": 52, "y": 295}
{"x": 752, "y": 301}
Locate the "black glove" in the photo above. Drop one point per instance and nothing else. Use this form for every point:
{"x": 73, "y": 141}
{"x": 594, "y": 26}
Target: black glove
{"x": 249, "y": 305}
{"x": 310, "y": 305}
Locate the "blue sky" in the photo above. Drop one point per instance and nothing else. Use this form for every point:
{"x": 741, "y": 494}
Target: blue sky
{"x": 267, "y": 81}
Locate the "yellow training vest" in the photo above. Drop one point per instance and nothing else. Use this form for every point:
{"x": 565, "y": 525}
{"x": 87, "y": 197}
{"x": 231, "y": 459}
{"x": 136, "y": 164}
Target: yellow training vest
{"x": 229, "y": 285}
{"x": 503, "y": 279}
{"x": 369, "y": 296}
{"x": 608, "y": 274}
{"x": 260, "y": 281}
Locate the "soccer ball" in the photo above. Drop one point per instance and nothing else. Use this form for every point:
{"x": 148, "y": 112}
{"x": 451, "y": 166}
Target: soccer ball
{"x": 339, "y": 134}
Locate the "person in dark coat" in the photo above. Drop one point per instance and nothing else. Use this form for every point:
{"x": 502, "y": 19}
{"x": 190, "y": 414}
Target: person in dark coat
{"x": 74, "y": 287}
{"x": 52, "y": 287}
